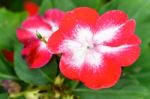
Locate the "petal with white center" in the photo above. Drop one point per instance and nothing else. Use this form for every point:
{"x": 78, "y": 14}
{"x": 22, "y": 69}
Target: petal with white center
{"x": 69, "y": 70}
{"x": 25, "y": 36}
{"x": 36, "y": 24}
{"x": 53, "y": 17}
{"x": 75, "y": 52}
{"x": 115, "y": 35}
{"x": 83, "y": 34}
{"x": 80, "y": 16}
{"x": 111, "y": 18}
{"x": 45, "y": 33}
{"x": 36, "y": 54}
{"x": 73, "y": 60}
{"x": 123, "y": 55}
{"x": 104, "y": 75}
{"x": 80, "y": 34}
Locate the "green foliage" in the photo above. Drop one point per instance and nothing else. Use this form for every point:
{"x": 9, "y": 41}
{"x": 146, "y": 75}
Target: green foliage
{"x": 134, "y": 83}
{"x": 6, "y": 70}
{"x": 60, "y": 4}
{"x": 34, "y": 76}
{"x": 96, "y": 4}
{"x": 66, "y": 6}
{"x": 127, "y": 88}
{"x": 8, "y": 23}
{"x": 46, "y": 4}
{"x": 3, "y": 96}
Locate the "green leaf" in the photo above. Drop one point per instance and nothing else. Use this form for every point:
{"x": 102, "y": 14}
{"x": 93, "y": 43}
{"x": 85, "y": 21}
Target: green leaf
{"x": 96, "y": 4}
{"x": 3, "y": 96}
{"x": 112, "y": 5}
{"x": 127, "y": 88}
{"x": 60, "y": 4}
{"x": 6, "y": 70}
{"x": 46, "y": 4}
{"x": 9, "y": 21}
{"x": 22, "y": 97}
{"x": 44, "y": 75}
{"x": 63, "y": 5}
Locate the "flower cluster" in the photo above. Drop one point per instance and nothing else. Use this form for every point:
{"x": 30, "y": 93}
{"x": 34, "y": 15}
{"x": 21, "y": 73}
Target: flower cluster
{"x": 34, "y": 34}
{"x": 93, "y": 47}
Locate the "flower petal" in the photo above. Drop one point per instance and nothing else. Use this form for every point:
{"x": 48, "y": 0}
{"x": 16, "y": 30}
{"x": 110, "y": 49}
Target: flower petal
{"x": 35, "y": 22}
{"x": 36, "y": 54}
{"x": 124, "y": 55}
{"x": 133, "y": 40}
{"x": 74, "y": 57}
{"x": 53, "y": 17}
{"x": 103, "y": 76}
{"x": 69, "y": 26}
{"x": 36, "y": 25}
{"x": 25, "y": 36}
{"x": 115, "y": 35}
{"x": 70, "y": 71}
{"x": 112, "y": 18}
{"x": 81, "y": 16}
{"x": 55, "y": 41}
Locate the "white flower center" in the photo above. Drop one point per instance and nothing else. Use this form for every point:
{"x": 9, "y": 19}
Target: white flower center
{"x": 87, "y": 47}
{"x": 82, "y": 49}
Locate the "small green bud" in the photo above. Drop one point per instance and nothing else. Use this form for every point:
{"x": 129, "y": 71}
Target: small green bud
{"x": 59, "y": 80}
{"x": 32, "y": 95}
{"x": 39, "y": 36}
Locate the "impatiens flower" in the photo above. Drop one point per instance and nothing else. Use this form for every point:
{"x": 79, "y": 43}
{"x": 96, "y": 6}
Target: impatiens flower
{"x": 34, "y": 34}
{"x": 93, "y": 47}
{"x": 31, "y": 7}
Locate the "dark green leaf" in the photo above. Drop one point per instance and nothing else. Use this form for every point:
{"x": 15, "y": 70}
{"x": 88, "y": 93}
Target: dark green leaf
{"x": 127, "y": 88}
{"x": 6, "y": 70}
{"x": 34, "y": 76}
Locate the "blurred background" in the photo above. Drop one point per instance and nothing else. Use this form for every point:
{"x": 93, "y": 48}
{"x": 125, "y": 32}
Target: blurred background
{"x": 17, "y": 5}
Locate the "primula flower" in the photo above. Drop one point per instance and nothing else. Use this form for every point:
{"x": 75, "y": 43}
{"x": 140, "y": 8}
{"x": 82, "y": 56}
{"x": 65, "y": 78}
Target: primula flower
{"x": 34, "y": 34}
{"x": 93, "y": 47}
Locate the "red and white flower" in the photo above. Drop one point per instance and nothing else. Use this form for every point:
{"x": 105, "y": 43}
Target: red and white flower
{"x": 93, "y": 47}
{"x": 34, "y": 34}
